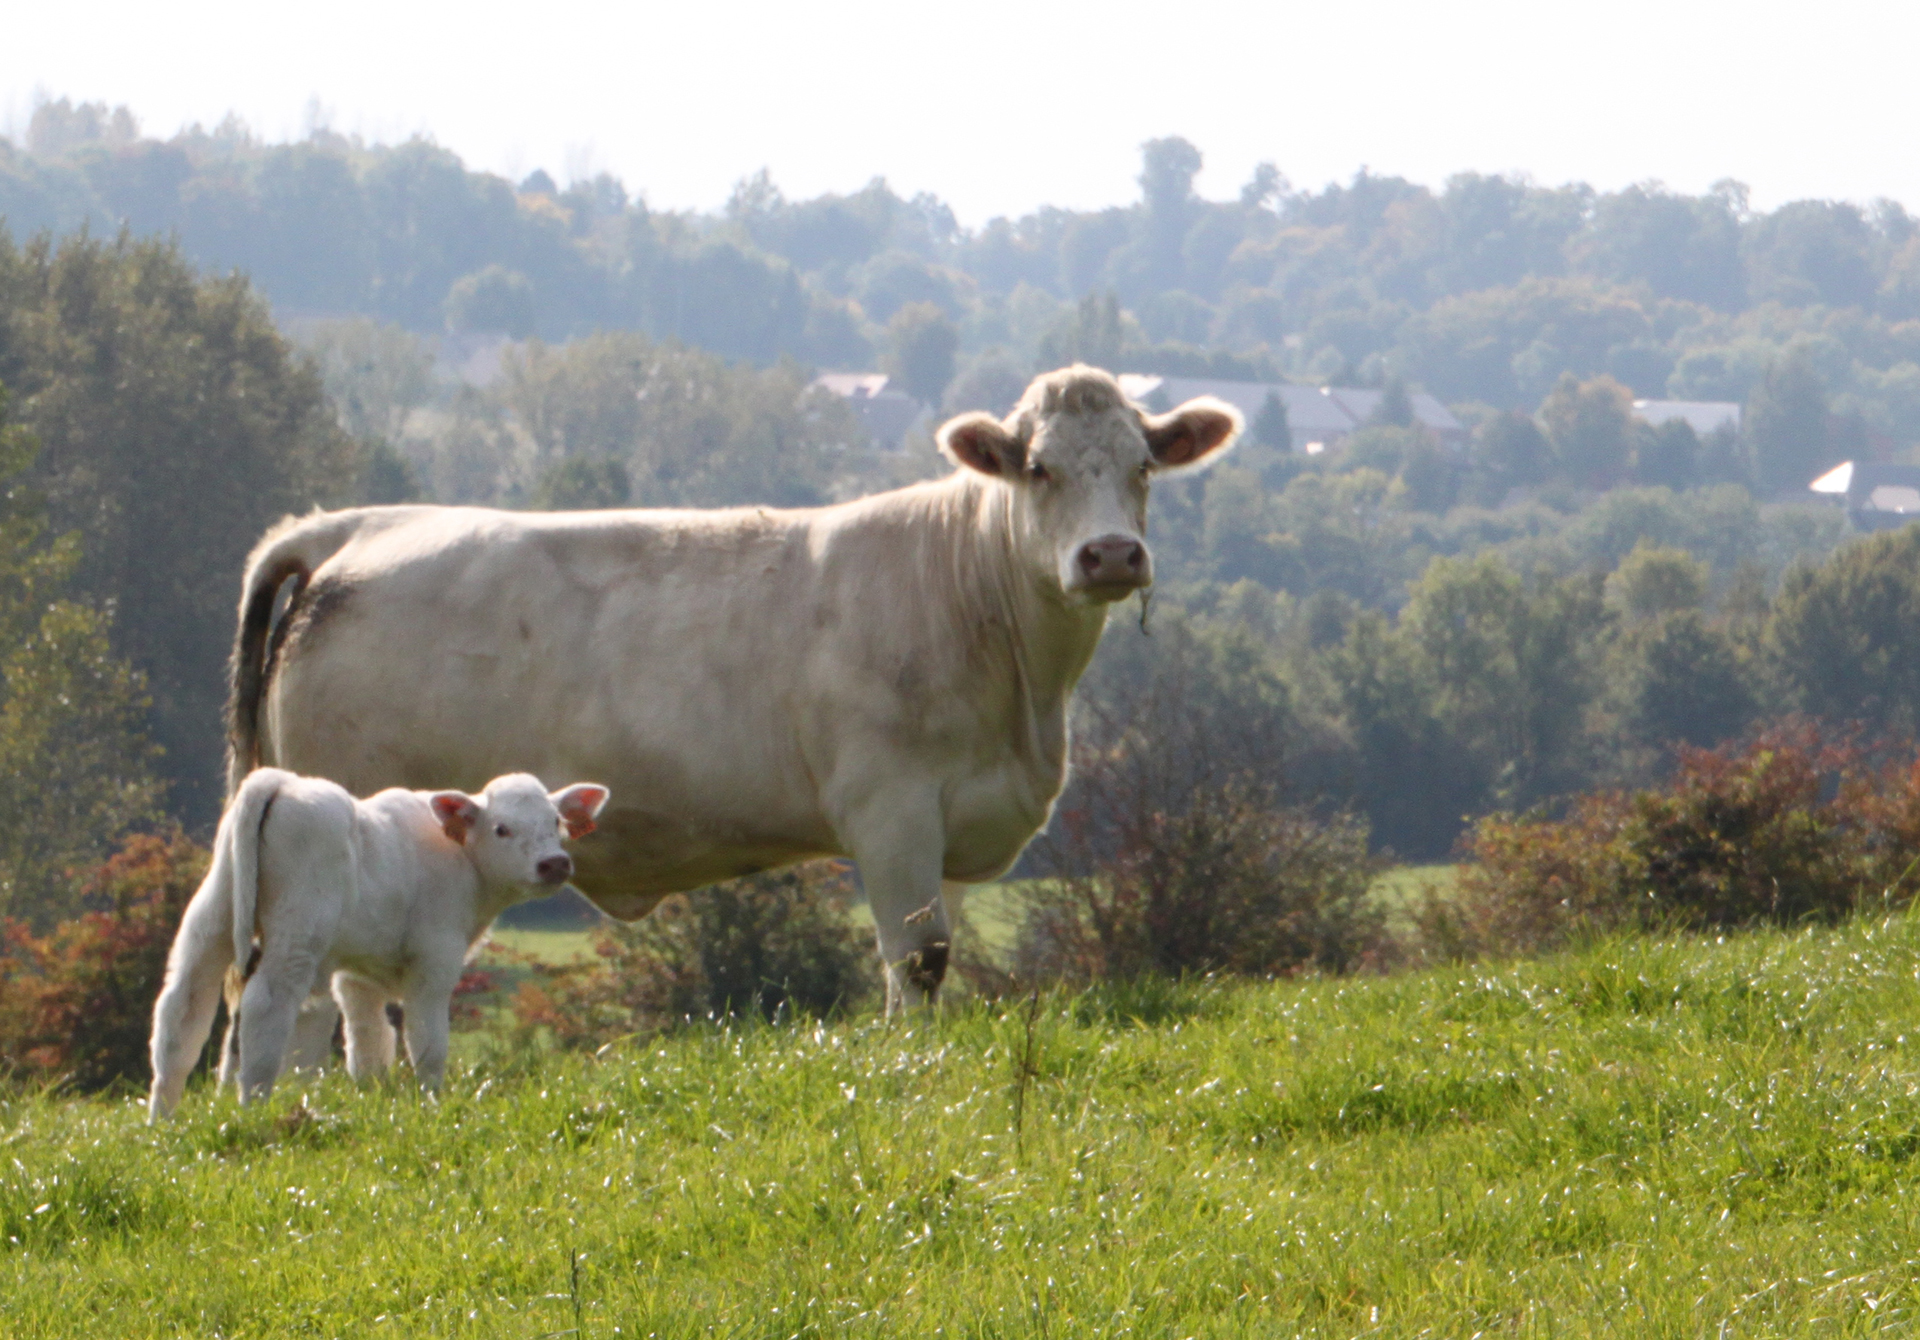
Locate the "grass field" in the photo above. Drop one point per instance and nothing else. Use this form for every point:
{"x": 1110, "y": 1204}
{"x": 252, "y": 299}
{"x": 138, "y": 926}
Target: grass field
{"x": 1662, "y": 1139}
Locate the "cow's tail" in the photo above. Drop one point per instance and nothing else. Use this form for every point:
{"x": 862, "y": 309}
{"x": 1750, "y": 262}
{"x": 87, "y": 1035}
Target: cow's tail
{"x": 292, "y": 549}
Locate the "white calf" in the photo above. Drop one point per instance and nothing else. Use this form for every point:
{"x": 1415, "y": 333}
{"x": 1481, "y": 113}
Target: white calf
{"x": 382, "y": 899}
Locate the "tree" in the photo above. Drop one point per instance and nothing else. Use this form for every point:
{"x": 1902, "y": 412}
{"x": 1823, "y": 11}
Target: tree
{"x": 1667, "y": 453}
{"x": 921, "y": 344}
{"x": 175, "y": 425}
{"x": 1786, "y": 423}
{"x": 75, "y": 767}
{"x": 1686, "y": 683}
{"x": 1653, "y": 581}
{"x": 492, "y": 301}
{"x": 581, "y": 483}
{"x": 1270, "y": 426}
{"x": 1591, "y": 427}
{"x": 1395, "y": 409}
{"x": 1511, "y": 448}
{"x": 1846, "y": 635}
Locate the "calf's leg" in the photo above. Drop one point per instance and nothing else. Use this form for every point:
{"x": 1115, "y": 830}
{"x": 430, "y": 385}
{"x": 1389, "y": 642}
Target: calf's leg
{"x": 369, "y": 1035}
{"x": 428, "y": 1021}
{"x": 182, "y": 1018}
{"x": 268, "y": 1008}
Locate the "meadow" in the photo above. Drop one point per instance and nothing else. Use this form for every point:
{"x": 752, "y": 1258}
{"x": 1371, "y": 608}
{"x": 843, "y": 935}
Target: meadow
{"x": 1642, "y": 1137}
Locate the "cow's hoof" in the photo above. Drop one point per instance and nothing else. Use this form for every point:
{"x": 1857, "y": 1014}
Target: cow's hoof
{"x": 926, "y": 967}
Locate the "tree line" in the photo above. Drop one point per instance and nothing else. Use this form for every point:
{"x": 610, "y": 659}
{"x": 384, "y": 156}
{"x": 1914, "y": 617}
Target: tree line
{"x": 1485, "y": 290}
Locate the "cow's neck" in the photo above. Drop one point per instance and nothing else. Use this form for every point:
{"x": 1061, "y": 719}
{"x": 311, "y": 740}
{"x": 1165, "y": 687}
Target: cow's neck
{"x": 1053, "y": 639}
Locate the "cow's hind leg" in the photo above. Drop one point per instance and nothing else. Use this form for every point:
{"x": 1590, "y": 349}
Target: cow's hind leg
{"x": 369, "y": 1036}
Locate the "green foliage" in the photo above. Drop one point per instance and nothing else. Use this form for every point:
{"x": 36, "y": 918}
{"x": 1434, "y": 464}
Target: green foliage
{"x": 768, "y": 946}
{"x": 581, "y": 483}
{"x": 1847, "y": 634}
{"x": 1786, "y": 423}
{"x": 921, "y": 343}
{"x": 76, "y": 770}
{"x": 1270, "y": 427}
{"x": 1653, "y": 580}
{"x": 376, "y": 375}
{"x": 76, "y": 1003}
{"x": 1226, "y": 880}
{"x": 492, "y": 301}
{"x": 175, "y": 426}
{"x": 1687, "y": 682}
{"x": 1590, "y": 425}
{"x": 684, "y": 426}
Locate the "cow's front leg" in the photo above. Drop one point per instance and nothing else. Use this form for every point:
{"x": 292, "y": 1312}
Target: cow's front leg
{"x": 900, "y": 846}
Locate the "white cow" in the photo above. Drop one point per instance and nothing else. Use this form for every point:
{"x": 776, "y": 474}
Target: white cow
{"x": 885, "y": 679}
{"x": 382, "y": 899}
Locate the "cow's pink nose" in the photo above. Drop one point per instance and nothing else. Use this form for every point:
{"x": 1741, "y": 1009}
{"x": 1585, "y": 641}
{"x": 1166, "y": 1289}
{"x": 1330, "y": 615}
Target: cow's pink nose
{"x": 555, "y": 869}
{"x": 1113, "y": 560}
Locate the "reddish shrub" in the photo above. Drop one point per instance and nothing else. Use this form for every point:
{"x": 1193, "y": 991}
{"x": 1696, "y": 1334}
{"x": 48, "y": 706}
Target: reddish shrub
{"x": 1785, "y": 827}
{"x": 77, "y": 1002}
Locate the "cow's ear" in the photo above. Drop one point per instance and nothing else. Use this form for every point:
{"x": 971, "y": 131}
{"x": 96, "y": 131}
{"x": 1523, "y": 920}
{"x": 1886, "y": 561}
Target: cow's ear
{"x": 981, "y": 442}
{"x": 1194, "y": 433}
{"x": 579, "y": 805}
{"x": 457, "y": 812}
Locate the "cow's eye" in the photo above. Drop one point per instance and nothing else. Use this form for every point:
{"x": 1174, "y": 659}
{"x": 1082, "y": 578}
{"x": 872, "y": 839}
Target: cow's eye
{"x": 1038, "y": 473}
{"x": 500, "y": 830}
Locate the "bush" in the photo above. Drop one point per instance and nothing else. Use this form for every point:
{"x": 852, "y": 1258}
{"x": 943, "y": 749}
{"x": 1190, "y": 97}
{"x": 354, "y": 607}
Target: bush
{"x": 774, "y": 943}
{"x": 1781, "y": 828}
{"x": 1230, "y": 881}
{"x": 1173, "y": 850}
{"x": 76, "y": 1004}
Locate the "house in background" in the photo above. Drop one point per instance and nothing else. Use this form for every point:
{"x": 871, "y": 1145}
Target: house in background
{"x": 887, "y": 414}
{"x": 1878, "y": 495}
{"x": 1705, "y": 417}
{"x": 1317, "y": 418}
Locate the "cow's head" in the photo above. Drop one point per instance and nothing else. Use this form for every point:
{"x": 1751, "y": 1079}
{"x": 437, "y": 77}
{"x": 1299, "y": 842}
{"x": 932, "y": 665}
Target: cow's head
{"x": 1078, "y": 456}
{"x": 512, "y": 830}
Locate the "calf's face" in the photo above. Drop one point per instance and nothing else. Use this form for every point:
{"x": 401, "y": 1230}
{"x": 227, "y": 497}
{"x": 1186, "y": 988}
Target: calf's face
{"x": 1078, "y": 457}
{"x": 514, "y": 828}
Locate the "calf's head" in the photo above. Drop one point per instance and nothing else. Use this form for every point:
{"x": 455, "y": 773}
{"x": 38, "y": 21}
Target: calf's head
{"x": 1078, "y": 457}
{"x": 513, "y": 830}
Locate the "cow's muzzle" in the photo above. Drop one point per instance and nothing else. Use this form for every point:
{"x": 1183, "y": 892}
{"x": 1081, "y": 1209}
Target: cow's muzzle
{"x": 1112, "y": 567}
{"x": 555, "y": 869}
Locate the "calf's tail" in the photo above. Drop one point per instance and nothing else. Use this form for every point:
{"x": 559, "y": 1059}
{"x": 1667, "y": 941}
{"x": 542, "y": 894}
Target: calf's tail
{"x": 218, "y": 924}
{"x": 292, "y": 549}
{"x": 238, "y": 845}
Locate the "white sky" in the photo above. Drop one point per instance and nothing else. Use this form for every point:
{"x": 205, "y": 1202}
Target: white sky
{"x": 1002, "y": 105}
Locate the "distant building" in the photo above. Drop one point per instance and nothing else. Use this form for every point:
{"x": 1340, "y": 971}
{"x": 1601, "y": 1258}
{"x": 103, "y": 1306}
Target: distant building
{"x": 1317, "y": 418}
{"x": 1703, "y": 416}
{"x": 888, "y": 415}
{"x": 1878, "y": 496}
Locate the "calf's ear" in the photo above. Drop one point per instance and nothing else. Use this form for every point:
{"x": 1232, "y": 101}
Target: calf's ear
{"x": 981, "y": 442}
{"x": 1191, "y": 434}
{"x": 579, "y": 805}
{"x": 456, "y": 811}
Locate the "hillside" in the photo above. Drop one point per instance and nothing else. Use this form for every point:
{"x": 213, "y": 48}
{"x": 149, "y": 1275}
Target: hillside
{"x": 1644, "y": 1138}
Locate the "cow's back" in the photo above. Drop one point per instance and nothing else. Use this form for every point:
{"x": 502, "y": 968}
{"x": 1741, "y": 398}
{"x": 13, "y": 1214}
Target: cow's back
{"x": 655, "y": 651}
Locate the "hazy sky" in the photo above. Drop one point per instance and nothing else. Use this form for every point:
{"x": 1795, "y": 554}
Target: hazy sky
{"x": 1001, "y": 105}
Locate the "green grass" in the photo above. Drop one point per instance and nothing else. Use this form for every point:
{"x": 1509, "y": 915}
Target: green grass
{"x": 1677, "y": 1138}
